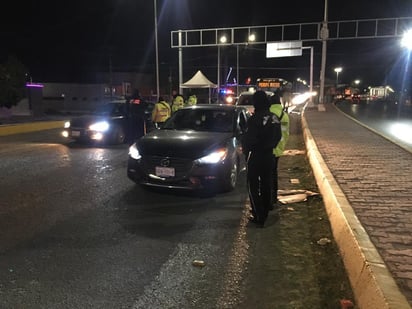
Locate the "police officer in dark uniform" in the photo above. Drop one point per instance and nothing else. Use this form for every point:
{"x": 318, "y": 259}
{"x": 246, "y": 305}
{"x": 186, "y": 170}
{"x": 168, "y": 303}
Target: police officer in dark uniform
{"x": 262, "y": 135}
{"x": 136, "y": 112}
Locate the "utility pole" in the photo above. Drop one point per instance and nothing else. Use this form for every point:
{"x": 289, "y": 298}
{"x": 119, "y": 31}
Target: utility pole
{"x": 324, "y": 35}
{"x": 157, "y": 51}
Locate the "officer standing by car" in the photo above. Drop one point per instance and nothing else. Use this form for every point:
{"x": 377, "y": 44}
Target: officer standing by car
{"x": 262, "y": 135}
{"x": 161, "y": 112}
{"x": 192, "y": 100}
{"x": 277, "y": 109}
{"x": 136, "y": 111}
{"x": 178, "y": 103}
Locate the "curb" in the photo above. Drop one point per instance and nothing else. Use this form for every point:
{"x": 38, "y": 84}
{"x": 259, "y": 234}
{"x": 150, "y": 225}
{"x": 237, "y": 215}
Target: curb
{"x": 372, "y": 283}
{"x": 17, "y": 128}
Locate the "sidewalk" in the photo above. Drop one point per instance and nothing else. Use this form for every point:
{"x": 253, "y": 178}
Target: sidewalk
{"x": 365, "y": 183}
{"x": 26, "y": 123}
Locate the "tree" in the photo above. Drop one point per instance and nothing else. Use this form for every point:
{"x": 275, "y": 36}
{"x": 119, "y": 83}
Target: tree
{"x": 12, "y": 82}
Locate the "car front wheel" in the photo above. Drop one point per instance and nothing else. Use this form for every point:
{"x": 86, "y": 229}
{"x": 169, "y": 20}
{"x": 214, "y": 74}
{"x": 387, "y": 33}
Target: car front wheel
{"x": 119, "y": 136}
{"x": 231, "y": 178}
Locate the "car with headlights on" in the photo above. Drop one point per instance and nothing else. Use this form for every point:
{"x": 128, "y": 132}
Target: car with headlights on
{"x": 198, "y": 148}
{"x": 110, "y": 123}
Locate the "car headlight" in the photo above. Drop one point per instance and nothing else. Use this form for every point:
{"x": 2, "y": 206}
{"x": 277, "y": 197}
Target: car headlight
{"x": 229, "y": 100}
{"x": 134, "y": 152}
{"x": 101, "y": 126}
{"x": 214, "y": 157}
{"x": 67, "y": 124}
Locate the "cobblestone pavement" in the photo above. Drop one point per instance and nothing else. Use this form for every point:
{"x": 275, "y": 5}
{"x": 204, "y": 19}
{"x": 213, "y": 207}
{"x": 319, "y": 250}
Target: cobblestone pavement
{"x": 375, "y": 175}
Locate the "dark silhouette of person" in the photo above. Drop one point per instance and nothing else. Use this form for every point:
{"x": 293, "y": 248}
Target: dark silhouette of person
{"x": 262, "y": 135}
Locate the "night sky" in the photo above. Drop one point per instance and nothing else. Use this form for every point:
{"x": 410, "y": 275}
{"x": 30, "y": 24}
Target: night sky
{"x": 68, "y": 41}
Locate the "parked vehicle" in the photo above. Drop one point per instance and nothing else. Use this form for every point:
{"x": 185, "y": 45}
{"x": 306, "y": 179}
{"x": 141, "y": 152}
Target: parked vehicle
{"x": 198, "y": 148}
{"x": 110, "y": 123}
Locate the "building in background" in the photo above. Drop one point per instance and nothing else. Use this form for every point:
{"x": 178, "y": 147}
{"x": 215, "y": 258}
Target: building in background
{"x": 83, "y": 97}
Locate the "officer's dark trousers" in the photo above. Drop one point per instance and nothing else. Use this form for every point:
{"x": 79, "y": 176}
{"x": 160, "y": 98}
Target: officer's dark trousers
{"x": 275, "y": 179}
{"x": 260, "y": 181}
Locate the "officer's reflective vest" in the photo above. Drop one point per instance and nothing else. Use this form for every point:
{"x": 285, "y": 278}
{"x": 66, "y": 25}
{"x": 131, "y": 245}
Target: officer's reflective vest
{"x": 283, "y": 117}
{"x": 192, "y": 100}
{"x": 178, "y": 103}
{"x": 161, "y": 112}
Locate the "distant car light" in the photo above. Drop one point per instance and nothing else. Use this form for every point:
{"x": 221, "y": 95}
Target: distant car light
{"x": 214, "y": 157}
{"x": 97, "y": 136}
{"x": 301, "y": 98}
{"x": 102, "y": 126}
{"x": 65, "y": 133}
{"x": 134, "y": 152}
{"x": 67, "y": 124}
{"x": 229, "y": 100}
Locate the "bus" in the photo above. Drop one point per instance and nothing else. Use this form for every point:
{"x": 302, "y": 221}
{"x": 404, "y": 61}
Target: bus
{"x": 276, "y": 84}
{"x": 273, "y": 84}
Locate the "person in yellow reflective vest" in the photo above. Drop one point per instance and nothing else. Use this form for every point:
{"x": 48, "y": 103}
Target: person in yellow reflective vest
{"x": 192, "y": 100}
{"x": 277, "y": 108}
{"x": 161, "y": 112}
{"x": 178, "y": 103}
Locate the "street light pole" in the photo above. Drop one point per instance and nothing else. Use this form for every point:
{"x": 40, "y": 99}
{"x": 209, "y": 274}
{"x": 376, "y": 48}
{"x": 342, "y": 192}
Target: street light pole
{"x": 157, "y": 50}
{"x": 218, "y": 73}
{"x": 180, "y": 63}
{"x": 222, "y": 40}
{"x": 324, "y": 34}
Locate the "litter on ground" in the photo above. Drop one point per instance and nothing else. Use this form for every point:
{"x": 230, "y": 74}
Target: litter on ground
{"x": 294, "y": 196}
{"x": 293, "y": 152}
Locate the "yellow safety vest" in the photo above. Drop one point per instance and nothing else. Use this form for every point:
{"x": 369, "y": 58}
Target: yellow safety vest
{"x": 178, "y": 103}
{"x": 283, "y": 116}
{"x": 161, "y": 112}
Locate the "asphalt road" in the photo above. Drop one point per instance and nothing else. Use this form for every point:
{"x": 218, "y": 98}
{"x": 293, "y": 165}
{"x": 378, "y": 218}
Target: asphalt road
{"x": 387, "y": 119}
{"x": 75, "y": 232}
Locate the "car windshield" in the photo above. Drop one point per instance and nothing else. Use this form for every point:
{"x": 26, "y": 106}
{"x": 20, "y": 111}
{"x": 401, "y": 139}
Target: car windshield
{"x": 212, "y": 120}
{"x": 110, "y": 109}
{"x": 245, "y": 99}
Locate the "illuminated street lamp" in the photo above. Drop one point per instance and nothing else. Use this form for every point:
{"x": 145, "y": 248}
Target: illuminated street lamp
{"x": 407, "y": 40}
{"x": 337, "y": 70}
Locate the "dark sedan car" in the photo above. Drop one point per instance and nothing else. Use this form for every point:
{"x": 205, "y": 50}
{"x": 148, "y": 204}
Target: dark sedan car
{"x": 111, "y": 123}
{"x": 197, "y": 148}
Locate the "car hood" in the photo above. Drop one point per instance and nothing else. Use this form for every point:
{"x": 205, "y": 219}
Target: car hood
{"x": 182, "y": 144}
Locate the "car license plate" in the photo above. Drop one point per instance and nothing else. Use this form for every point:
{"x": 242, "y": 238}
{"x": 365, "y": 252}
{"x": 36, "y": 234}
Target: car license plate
{"x": 165, "y": 171}
{"x": 75, "y": 133}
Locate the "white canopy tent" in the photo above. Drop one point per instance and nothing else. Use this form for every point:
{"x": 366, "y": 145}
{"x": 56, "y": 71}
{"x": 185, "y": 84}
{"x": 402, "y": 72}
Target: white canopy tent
{"x": 199, "y": 80}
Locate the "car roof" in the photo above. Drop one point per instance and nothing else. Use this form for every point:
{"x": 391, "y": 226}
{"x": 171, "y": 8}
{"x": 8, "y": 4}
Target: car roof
{"x": 269, "y": 93}
{"x": 226, "y": 107}
{"x": 247, "y": 93}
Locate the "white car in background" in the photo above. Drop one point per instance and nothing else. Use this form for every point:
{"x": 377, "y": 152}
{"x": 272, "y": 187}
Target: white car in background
{"x": 246, "y": 99}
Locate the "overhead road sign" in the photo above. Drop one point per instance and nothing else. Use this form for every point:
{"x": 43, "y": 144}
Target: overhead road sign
{"x": 284, "y": 49}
